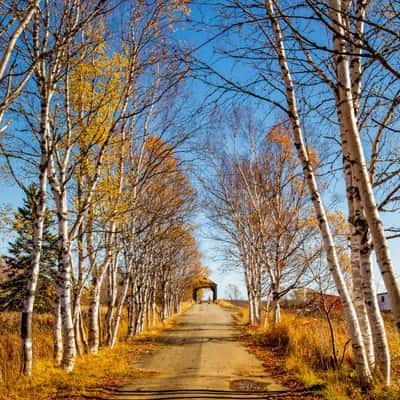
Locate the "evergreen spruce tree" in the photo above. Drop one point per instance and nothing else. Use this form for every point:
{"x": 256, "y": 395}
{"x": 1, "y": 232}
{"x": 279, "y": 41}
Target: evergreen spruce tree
{"x": 15, "y": 266}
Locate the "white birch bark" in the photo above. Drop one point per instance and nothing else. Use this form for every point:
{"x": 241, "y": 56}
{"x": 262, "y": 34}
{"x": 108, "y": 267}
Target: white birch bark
{"x": 381, "y": 347}
{"x": 83, "y": 333}
{"x": 4, "y": 61}
{"x": 164, "y": 301}
{"x": 131, "y": 316}
{"x": 98, "y": 275}
{"x": 118, "y": 312}
{"x": 45, "y": 85}
{"x": 352, "y": 135}
{"x": 112, "y": 297}
{"x": 94, "y": 314}
{"x": 276, "y": 308}
{"x": 154, "y": 303}
{"x": 76, "y": 321}
{"x": 38, "y": 221}
{"x": 363, "y": 278}
{"x": 355, "y": 247}
{"x": 57, "y": 332}
{"x": 380, "y": 343}
{"x": 64, "y": 286}
{"x": 133, "y": 306}
{"x": 249, "y": 292}
{"x": 359, "y": 304}
{"x": 267, "y": 307}
{"x": 29, "y": 300}
{"x": 361, "y": 361}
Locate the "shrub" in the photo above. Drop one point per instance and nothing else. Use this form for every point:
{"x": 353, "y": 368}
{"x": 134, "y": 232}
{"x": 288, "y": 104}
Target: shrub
{"x": 277, "y": 337}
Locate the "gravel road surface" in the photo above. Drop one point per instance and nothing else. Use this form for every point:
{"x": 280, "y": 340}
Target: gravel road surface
{"x": 201, "y": 358}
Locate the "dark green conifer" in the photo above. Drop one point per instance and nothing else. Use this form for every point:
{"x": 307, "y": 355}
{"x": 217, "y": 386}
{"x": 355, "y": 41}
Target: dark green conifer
{"x": 16, "y": 264}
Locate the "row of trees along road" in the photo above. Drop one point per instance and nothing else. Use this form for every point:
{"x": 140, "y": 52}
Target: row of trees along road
{"x": 89, "y": 110}
{"x": 330, "y": 69}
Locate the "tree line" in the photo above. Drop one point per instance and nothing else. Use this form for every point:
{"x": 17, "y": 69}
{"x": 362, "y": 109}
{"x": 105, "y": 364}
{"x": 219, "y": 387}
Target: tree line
{"x": 327, "y": 71}
{"x": 91, "y": 95}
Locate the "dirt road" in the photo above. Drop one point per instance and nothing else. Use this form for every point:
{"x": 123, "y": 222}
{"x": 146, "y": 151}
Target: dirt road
{"x": 201, "y": 359}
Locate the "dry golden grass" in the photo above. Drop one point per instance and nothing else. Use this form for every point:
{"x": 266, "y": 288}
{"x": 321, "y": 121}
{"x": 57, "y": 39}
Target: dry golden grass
{"x": 226, "y": 304}
{"x": 242, "y": 316}
{"x": 92, "y": 375}
{"x": 311, "y": 358}
{"x": 308, "y": 355}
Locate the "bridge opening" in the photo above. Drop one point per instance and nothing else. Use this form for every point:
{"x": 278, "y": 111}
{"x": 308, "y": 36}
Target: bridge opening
{"x": 202, "y": 285}
{"x": 205, "y": 295}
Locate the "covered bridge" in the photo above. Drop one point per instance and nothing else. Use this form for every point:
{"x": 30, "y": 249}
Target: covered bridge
{"x": 204, "y": 283}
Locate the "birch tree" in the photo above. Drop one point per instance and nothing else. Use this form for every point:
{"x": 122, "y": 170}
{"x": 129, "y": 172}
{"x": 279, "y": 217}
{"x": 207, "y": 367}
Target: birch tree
{"x": 259, "y": 200}
{"x": 351, "y": 316}
{"x": 348, "y": 46}
{"x": 45, "y": 54}
{"x": 351, "y": 135}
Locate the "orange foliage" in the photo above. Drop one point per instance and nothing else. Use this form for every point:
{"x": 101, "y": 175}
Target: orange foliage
{"x": 339, "y": 224}
{"x": 278, "y": 134}
{"x": 313, "y": 157}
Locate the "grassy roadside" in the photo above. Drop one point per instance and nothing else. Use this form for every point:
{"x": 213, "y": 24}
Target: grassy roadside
{"x": 273, "y": 358}
{"x": 93, "y": 377}
{"x": 298, "y": 353}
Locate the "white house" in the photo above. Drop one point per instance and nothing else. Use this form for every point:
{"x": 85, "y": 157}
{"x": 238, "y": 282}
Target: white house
{"x": 384, "y": 302}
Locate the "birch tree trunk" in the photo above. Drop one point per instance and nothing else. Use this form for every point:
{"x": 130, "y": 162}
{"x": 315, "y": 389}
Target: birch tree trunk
{"x": 251, "y": 308}
{"x": 57, "y": 332}
{"x": 276, "y": 308}
{"x": 118, "y": 313}
{"x": 363, "y": 280}
{"x": 146, "y": 308}
{"x": 364, "y": 284}
{"x": 381, "y": 347}
{"x": 29, "y": 300}
{"x": 131, "y": 316}
{"x": 64, "y": 286}
{"x": 154, "y": 306}
{"x": 361, "y": 175}
{"x": 76, "y": 321}
{"x": 83, "y": 333}
{"x": 112, "y": 298}
{"x": 94, "y": 310}
{"x": 132, "y": 307}
{"x": 359, "y": 304}
{"x": 355, "y": 244}
{"x": 361, "y": 361}
{"x": 98, "y": 274}
{"x": 38, "y": 221}
{"x": 64, "y": 275}
{"x": 248, "y": 287}
{"x": 267, "y": 307}
{"x": 164, "y": 302}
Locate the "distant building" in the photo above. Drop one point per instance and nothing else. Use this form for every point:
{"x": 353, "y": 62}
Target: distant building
{"x": 384, "y": 302}
{"x": 308, "y": 300}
